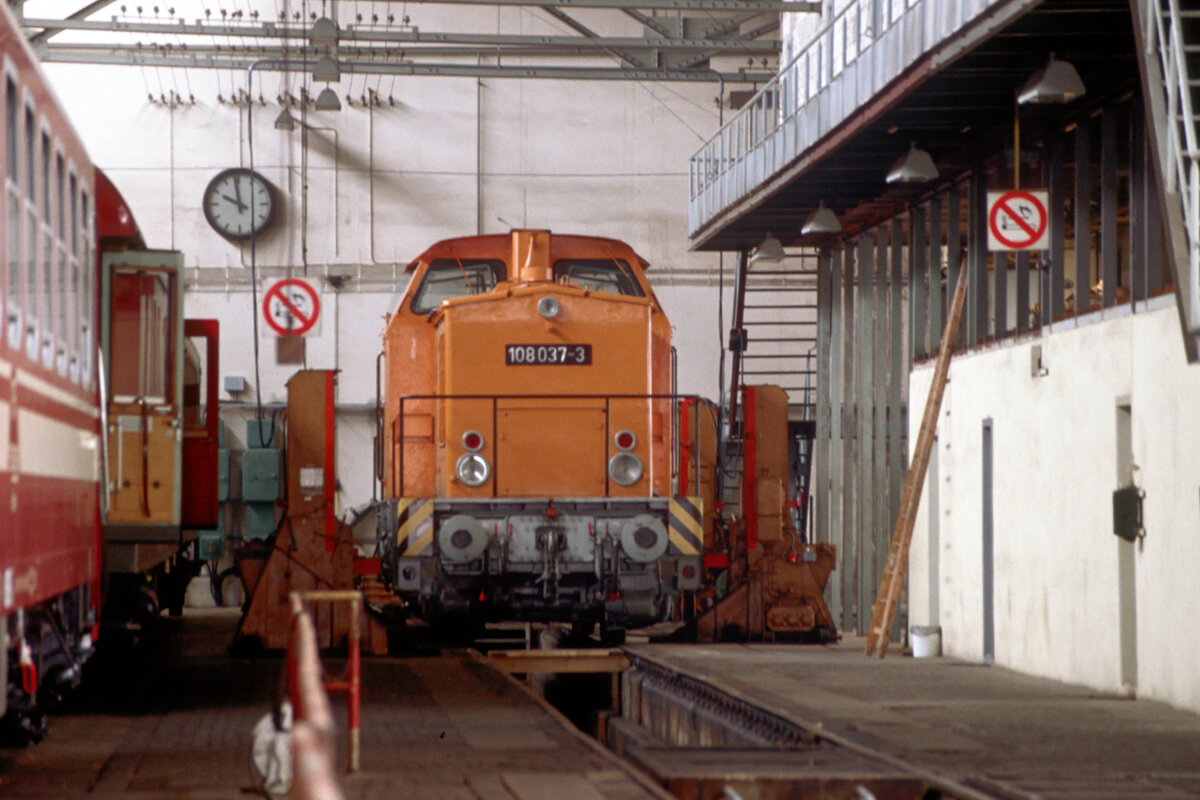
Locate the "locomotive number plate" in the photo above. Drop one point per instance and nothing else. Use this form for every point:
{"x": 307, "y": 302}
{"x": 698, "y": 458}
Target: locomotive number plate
{"x": 536, "y": 354}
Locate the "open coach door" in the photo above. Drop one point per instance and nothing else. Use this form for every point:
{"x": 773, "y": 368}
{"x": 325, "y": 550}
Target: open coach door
{"x": 201, "y": 424}
{"x": 143, "y": 348}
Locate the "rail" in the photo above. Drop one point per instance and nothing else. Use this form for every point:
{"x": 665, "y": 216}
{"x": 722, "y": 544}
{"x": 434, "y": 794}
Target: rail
{"x": 1179, "y": 162}
{"x": 858, "y": 53}
{"x": 397, "y": 437}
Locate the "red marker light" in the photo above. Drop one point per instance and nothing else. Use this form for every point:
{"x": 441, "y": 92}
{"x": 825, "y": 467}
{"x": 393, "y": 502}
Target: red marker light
{"x": 625, "y": 440}
{"x": 472, "y": 441}
{"x": 792, "y": 558}
{"x": 482, "y": 597}
{"x": 551, "y": 512}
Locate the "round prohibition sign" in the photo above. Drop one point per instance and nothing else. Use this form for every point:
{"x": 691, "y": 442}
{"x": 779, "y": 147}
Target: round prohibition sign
{"x": 1022, "y": 210}
{"x": 291, "y": 307}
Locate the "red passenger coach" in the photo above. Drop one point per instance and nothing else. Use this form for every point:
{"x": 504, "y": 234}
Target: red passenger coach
{"x": 95, "y": 412}
{"x": 49, "y": 413}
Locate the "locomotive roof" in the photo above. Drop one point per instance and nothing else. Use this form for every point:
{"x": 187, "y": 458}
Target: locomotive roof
{"x": 560, "y": 245}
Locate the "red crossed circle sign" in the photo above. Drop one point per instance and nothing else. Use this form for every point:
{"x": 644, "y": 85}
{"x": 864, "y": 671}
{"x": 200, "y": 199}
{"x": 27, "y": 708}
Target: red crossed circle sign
{"x": 291, "y": 307}
{"x": 1018, "y": 220}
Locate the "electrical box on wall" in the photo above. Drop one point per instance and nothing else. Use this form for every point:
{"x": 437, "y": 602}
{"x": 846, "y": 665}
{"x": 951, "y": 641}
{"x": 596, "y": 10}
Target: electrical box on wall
{"x": 261, "y": 475}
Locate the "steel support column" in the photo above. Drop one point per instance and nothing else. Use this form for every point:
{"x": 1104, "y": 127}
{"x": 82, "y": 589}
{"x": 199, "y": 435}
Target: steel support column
{"x": 865, "y": 417}
{"x": 954, "y": 250}
{"x": 819, "y": 494}
{"x": 933, "y": 279}
{"x": 1109, "y": 241}
{"x": 837, "y": 447}
{"x": 1057, "y": 213}
{"x": 879, "y": 476}
{"x": 1083, "y": 215}
{"x": 918, "y": 321}
{"x": 897, "y": 433}
{"x": 849, "y": 547}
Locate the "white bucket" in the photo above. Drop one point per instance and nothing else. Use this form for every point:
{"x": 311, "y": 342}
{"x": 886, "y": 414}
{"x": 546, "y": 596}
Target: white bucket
{"x": 926, "y": 641}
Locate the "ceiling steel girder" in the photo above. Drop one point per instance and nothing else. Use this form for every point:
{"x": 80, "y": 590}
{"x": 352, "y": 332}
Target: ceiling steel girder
{"x": 57, "y": 27}
{"x": 671, "y": 5}
{"x": 151, "y": 59}
{"x": 748, "y": 44}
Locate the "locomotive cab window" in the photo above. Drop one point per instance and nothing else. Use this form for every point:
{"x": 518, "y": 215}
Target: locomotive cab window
{"x": 599, "y": 275}
{"x": 448, "y": 278}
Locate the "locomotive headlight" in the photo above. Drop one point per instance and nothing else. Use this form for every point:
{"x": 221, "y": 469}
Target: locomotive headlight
{"x": 548, "y": 307}
{"x": 625, "y": 469}
{"x": 473, "y": 469}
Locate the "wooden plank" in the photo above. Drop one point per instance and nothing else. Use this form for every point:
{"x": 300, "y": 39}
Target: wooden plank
{"x": 879, "y": 632}
{"x": 565, "y": 660}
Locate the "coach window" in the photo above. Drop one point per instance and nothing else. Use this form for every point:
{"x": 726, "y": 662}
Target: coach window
{"x": 599, "y": 275}
{"x": 33, "y": 288}
{"x": 48, "y": 257}
{"x": 68, "y": 260}
{"x": 12, "y": 215}
{"x": 60, "y": 265}
{"x": 448, "y": 278}
{"x": 141, "y": 327}
{"x": 83, "y": 275}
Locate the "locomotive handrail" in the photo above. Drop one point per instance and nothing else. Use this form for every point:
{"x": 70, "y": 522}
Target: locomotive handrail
{"x": 397, "y": 442}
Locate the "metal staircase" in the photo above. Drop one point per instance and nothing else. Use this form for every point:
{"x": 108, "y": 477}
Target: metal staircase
{"x": 773, "y": 341}
{"x": 1169, "y": 50}
{"x": 774, "y": 337}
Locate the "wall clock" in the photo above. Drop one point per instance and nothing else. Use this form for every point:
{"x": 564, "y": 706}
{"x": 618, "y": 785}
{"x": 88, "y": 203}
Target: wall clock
{"x": 239, "y": 203}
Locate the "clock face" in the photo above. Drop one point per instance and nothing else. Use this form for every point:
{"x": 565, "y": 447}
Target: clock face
{"x": 239, "y": 203}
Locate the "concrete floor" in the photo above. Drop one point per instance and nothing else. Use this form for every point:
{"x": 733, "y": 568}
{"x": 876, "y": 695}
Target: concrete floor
{"x": 1008, "y": 734}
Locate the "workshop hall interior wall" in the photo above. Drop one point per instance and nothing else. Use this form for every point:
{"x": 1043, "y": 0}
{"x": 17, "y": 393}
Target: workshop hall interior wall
{"x": 377, "y": 184}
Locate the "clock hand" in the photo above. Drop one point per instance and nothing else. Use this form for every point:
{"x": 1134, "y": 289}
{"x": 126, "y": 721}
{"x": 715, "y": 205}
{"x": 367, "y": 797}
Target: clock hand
{"x": 237, "y": 190}
{"x": 241, "y": 206}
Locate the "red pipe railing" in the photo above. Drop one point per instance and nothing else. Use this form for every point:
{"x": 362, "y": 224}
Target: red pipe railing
{"x": 314, "y": 732}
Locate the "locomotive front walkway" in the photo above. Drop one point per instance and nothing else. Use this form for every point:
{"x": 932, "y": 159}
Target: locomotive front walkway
{"x": 176, "y": 723}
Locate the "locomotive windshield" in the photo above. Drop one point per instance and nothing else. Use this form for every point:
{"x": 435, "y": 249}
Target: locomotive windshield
{"x": 599, "y": 275}
{"x": 448, "y": 278}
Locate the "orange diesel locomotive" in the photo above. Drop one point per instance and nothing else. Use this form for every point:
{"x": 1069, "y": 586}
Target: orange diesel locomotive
{"x": 532, "y": 462}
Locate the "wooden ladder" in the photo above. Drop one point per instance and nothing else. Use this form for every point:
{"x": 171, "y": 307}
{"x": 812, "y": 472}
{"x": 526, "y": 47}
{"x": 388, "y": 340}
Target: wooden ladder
{"x": 886, "y": 601}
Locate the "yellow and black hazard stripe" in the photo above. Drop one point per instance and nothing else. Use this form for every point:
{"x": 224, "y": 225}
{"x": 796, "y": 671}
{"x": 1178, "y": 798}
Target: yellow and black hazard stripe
{"x": 686, "y": 524}
{"x": 414, "y": 525}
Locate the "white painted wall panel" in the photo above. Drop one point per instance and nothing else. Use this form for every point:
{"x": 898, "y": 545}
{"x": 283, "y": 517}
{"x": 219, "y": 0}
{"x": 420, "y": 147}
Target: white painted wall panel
{"x": 1056, "y": 585}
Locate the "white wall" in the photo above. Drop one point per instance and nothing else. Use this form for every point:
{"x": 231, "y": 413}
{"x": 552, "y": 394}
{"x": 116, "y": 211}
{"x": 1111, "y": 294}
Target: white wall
{"x": 375, "y": 187}
{"x": 1055, "y": 468}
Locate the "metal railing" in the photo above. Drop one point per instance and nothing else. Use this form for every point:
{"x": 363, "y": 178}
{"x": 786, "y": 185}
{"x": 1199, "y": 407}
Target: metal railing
{"x": 1180, "y": 163}
{"x": 314, "y": 732}
{"x": 860, "y": 51}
